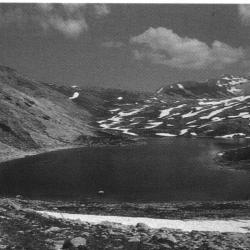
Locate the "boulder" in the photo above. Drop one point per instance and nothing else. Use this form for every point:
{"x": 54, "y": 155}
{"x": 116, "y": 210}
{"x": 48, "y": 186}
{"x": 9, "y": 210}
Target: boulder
{"x": 164, "y": 238}
{"x": 78, "y": 243}
{"x": 141, "y": 227}
{"x": 19, "y": 196}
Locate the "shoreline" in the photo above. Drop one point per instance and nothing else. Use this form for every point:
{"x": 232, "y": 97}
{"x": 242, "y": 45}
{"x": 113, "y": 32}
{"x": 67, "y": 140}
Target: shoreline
{"x": 16, "y": 155}
{"x": 182, "y": 210}
{"x": 23, "y": 154}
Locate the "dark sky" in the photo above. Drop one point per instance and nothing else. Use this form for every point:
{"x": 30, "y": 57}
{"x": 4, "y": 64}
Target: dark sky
{"x": 113, "y": 45}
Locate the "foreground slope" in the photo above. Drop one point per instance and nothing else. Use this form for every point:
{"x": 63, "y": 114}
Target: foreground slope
{"x": 48, "y": 232}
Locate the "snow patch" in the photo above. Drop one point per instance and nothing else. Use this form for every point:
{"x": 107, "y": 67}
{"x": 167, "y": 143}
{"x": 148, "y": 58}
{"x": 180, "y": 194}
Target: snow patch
{"x": 213, "y": 113}
{"x": 153, "y": 125}
{"x": 231, "y": 135}
{"x": 129, "y": 113}
{"x": 165, "y": 134}
{"x": 114, "y": 110}
{"x": 244, "y": 115}
{"x": 125, "y": 131}
{"x": 191, "y": 122}
{"x": 180, "y": 86}
{"x": 233, "y": 90}
{"x": 166, "y": 112}
{"x": 217, "y": 119}
{"x": 190, "y": 114}
{"x": 240, "y": 226}
{"x": 75, "y": 95}
{"x": 183, "y": 131}
{"x": 102, "y": 121}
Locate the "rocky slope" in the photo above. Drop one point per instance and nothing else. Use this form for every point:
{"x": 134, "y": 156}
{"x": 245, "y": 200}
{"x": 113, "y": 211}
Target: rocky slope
{"x": 32, "y": 116}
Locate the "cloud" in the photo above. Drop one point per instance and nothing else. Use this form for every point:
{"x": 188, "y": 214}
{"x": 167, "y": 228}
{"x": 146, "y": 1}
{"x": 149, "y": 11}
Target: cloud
{"x": 69, "y": 27}
{"x": 112, "y": 44}
{"x": 68, "y": 19}
{"x": 163, "y": 46}
{"x": 244, "y": 13}
{"x": 101, "y": 10}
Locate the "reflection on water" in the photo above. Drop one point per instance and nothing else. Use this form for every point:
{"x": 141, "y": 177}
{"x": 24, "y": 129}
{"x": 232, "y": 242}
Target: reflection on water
{"x": 163, "y": 170}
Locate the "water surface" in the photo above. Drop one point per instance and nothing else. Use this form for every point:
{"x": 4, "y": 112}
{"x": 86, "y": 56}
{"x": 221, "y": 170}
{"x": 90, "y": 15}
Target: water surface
{"x": 163, "y": 170}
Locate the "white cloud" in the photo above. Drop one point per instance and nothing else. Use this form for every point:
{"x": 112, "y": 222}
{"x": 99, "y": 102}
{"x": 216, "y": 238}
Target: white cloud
{"x": 69, "y": 27}
{"x": 244, "y": 13}
{"x": 68, "y": 19}
{"x": 163, "y": 46}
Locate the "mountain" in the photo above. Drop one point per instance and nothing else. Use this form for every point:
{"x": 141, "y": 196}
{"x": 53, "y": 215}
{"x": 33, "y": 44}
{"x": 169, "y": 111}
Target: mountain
{"x": 39, "y": 117}
{"x": 215, "y": 108}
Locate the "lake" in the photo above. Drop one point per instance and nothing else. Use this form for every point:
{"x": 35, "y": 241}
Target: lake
{"x": 171, "y": 169}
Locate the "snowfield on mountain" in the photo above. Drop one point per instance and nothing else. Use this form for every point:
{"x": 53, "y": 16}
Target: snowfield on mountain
{"x": 179, "y": 110}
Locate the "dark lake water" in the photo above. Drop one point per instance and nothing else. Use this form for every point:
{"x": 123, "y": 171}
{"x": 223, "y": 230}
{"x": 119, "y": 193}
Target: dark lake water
{"x": 163, "y": 170}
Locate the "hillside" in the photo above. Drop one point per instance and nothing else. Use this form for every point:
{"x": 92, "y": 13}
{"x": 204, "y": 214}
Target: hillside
{"x": 38, "y": 117}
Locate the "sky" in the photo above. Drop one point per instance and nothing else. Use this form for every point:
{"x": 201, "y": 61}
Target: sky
{"x": 129, "y": 46}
